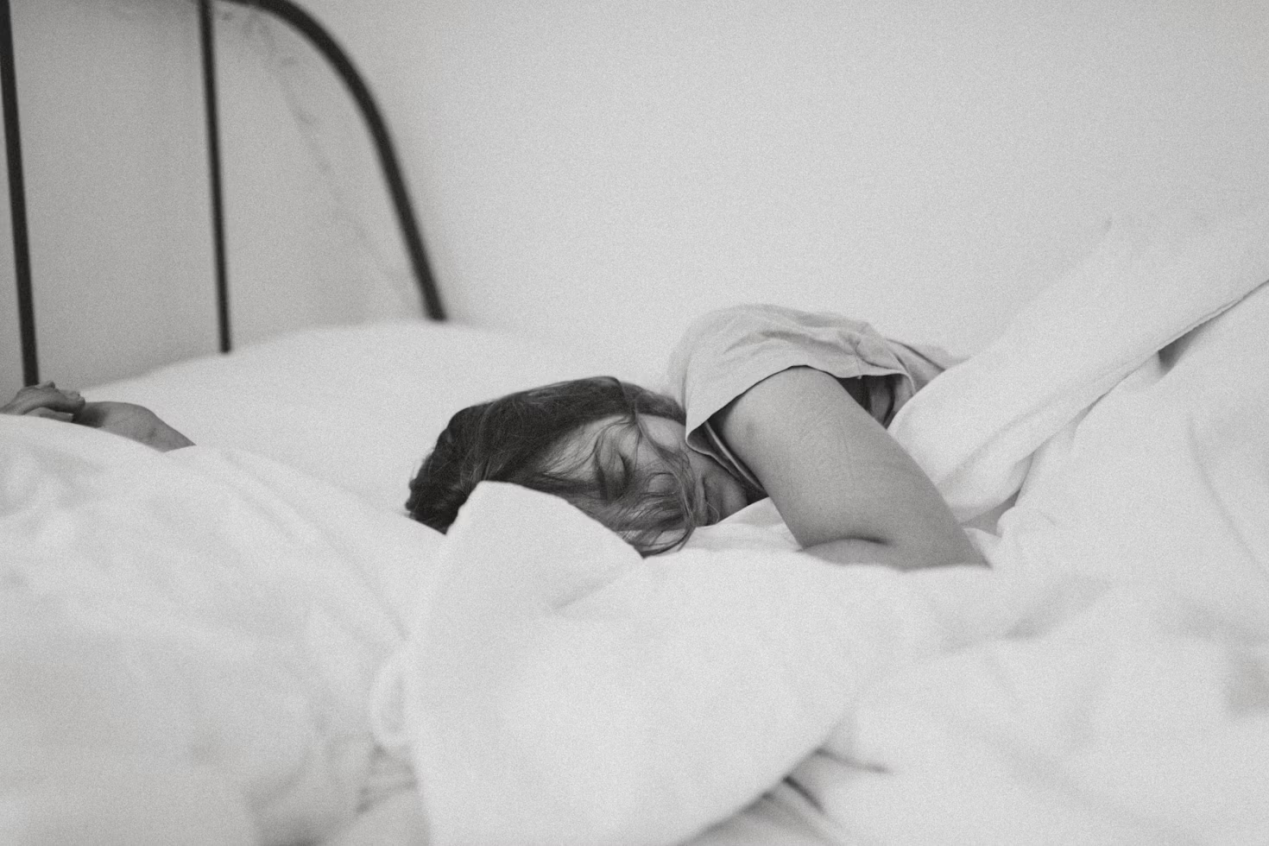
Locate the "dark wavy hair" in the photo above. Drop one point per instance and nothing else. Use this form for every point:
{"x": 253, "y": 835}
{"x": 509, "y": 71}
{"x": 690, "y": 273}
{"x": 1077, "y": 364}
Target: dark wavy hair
{"x": 521, "y": 438}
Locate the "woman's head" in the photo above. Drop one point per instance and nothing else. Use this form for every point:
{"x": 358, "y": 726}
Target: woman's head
{"x": 613, "y": 449}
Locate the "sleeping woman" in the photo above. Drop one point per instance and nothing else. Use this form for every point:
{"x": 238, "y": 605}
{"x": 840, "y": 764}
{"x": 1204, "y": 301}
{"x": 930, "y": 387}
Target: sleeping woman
{"x": 761, "y": 401}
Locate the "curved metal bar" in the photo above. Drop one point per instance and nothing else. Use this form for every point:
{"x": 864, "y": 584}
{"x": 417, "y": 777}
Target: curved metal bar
{"x": 17, "y": 200}
{"x": 317, "y": 35}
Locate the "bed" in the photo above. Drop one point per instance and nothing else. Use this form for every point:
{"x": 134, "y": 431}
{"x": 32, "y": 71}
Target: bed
{"x": 246, "y": 642}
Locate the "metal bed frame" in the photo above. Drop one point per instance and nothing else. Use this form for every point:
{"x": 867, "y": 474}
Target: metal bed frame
{"x": 304, "y": 23}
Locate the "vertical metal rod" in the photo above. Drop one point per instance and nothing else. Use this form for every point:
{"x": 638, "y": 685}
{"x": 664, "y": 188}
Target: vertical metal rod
{"x": 17, "y": 199}
{"x": 207, "y": 36}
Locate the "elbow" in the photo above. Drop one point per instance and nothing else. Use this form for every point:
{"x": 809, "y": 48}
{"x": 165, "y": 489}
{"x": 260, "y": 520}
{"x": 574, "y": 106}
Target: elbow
{"x": 900, "y": 553}
{"x": 948, "y": 545}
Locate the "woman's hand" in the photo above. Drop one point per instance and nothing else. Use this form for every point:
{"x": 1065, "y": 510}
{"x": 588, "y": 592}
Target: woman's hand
{"x": 134, "y": 422}
{"x": 846, "y": 489}
{"x": 44, "y": 400}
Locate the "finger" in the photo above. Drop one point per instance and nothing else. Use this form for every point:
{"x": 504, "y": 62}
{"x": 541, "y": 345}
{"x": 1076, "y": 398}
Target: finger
{"x": 26, "y": 399}
{"x": 55, "y": 400}
{"x": 44, "y": 395}
{"x": 64, "y": 416}
{"x": 92, "y": 413}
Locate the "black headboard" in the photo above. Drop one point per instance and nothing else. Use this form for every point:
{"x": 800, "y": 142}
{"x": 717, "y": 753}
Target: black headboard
{"x": 324, "y": 43}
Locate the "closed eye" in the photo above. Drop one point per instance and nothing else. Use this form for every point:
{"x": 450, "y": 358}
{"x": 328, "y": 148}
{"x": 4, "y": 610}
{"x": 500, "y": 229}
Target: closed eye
{"x": 612, "y": 477}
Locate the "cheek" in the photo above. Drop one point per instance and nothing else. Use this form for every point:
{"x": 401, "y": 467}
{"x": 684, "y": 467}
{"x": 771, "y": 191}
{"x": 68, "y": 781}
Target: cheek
{"x": 734, "y": 499}
{"x": 707, "y": 468}
{"x": 702, "y": 467}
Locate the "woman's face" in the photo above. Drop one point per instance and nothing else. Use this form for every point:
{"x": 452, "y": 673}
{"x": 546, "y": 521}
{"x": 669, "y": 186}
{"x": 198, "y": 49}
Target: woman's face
{"x": 719, "y": 493}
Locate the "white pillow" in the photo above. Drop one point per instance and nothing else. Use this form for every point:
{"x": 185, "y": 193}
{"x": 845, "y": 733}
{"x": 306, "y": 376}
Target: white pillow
{"x": 357, "y": 406}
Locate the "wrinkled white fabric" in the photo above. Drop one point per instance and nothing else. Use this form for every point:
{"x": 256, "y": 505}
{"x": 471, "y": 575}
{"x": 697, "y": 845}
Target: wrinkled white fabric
{"x": 187, "y": 641}
{"x": 1105, "y": 682}
{"x": 1146, "y": 284}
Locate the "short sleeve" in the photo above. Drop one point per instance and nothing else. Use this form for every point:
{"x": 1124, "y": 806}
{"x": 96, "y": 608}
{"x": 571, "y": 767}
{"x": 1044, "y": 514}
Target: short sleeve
{"x": 725, "y": 353}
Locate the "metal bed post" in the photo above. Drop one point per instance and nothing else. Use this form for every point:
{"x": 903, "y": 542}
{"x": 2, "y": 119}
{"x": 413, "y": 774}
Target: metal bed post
{"x": 320, "y": 39}
{"x": 17, "y": 199}
{"x": 207, "y": 43}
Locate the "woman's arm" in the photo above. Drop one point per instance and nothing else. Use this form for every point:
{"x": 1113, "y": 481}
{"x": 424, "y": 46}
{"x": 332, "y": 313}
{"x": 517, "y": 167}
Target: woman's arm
{"x": 134, "y": 422}
{"x": 44, "y": 400}
{"x": 846, "y": 489}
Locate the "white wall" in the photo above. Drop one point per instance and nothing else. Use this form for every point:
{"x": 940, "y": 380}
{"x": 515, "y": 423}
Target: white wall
{"x": 100, "y": 125}
{"x": 311, "y": 236}
{"x": 114, "y": 143}
{"x": 602, "y": 171}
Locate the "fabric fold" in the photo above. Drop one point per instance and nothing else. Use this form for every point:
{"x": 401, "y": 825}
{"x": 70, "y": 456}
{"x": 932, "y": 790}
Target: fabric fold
{"x": 974, "y": 428}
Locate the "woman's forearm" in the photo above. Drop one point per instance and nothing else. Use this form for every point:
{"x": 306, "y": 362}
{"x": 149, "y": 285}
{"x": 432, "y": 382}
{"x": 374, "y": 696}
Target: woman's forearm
{"x": 134, "y": 422}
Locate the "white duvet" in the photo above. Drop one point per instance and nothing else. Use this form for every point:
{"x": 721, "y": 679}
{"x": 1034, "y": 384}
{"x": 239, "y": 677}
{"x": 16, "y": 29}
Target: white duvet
{"x": 1106, "y": 682}
{"x": 210, "y": 647}
{"x": 186, "y": 643}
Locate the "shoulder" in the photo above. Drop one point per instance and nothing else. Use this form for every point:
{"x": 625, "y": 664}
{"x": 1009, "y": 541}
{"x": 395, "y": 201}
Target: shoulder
{"x": 719, "y": 334}
{"x": 751, "y": 317}
{"x": 725, "y": 329}
{"x": 743, "y": 331}
{"x": 725, "y": 352}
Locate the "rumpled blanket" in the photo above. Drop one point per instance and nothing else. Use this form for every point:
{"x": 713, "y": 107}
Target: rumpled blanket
{"x": 1106, "y": 681}
{"x": 187, "y": 641}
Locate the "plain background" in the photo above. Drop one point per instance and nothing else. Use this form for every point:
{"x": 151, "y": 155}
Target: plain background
{"x": 601, "y": 172}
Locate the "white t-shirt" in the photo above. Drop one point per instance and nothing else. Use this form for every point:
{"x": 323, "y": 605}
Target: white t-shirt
{"x": 727, "y": 352}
